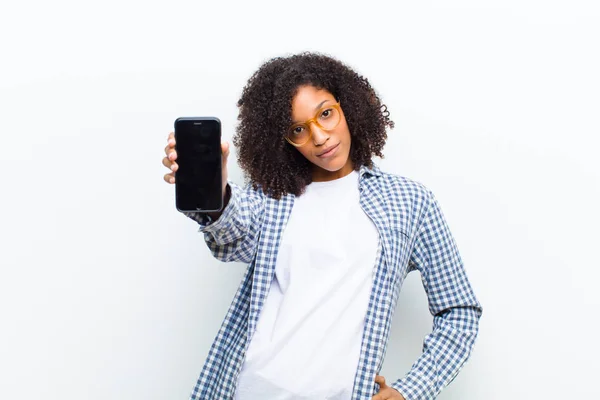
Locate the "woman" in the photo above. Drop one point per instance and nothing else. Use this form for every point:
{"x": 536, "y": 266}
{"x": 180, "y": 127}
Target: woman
{"x": 329, "y": 240}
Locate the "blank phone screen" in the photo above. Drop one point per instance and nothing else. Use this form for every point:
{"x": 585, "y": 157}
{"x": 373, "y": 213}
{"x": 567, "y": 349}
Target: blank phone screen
{"x": 198, "y": 177}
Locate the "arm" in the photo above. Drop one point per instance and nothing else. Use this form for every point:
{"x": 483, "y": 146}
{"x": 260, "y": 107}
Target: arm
{"x": 452, "y": 303}
{"x": 233, "y": 235}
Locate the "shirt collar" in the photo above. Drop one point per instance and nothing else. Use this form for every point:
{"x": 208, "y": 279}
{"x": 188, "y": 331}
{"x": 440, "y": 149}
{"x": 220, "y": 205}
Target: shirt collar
{"x": 372, "y": 170}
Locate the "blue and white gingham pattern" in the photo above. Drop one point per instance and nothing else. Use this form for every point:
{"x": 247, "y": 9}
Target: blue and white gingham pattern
{"x": 413, "y": 236}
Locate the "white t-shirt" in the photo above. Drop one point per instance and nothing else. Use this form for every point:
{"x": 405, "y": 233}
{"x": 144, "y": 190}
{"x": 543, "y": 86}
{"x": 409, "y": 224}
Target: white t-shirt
{"x": 309, "y": 333}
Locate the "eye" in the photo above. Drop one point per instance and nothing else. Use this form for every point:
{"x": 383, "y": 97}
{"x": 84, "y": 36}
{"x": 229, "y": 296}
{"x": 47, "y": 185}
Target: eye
{"x": 326, "y": 113}
{"x": 298, "y": 130}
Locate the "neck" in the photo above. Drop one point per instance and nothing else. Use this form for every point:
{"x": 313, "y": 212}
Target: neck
{"x": 322, "y": 175}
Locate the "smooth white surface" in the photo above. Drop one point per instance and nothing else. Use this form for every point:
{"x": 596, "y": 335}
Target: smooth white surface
{"x": 313, "y": 319}
{"x": 106, "y": 292}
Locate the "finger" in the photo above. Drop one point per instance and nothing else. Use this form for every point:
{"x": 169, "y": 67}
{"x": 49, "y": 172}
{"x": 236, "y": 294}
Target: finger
{"x": 169, "y": 178}
{"x": 172, "y": 165}
{"x": 225, "y": 149}
{"x": 170, "y": 141}
{"x": 170, "y": 147}
{"x": 171, "y": 154}
{"x": 383, "y": 394}
{"x": 379, "y": 396}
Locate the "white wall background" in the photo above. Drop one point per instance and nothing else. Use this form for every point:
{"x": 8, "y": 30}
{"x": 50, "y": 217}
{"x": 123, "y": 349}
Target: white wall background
{"x": 106, "y": 292}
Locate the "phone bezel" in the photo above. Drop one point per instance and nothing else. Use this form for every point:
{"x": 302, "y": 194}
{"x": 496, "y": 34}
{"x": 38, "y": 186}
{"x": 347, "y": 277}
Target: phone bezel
{"x": 198, "y": 119}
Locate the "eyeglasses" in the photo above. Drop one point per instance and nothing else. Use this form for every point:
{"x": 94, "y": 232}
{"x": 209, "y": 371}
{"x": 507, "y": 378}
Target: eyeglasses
{"x": 327, "y": 118}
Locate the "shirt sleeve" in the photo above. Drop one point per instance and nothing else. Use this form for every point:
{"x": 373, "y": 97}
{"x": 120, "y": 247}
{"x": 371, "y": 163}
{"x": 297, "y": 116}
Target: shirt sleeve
{"x": 455, "y": 309}
{"x": 234, "y": 235}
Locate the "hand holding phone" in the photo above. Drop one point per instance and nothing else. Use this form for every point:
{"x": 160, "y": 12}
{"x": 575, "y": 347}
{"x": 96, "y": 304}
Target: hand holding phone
{"x": 198, "y": 165}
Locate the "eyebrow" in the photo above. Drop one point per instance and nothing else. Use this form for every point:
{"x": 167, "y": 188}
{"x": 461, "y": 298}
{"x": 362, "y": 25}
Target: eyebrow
{"x": 321, "y": 104}
{"x": 316, "y": 108}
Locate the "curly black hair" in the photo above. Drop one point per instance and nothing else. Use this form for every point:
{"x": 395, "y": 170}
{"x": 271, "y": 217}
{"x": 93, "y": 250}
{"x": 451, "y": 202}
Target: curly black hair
{"x": 265, "y": 110}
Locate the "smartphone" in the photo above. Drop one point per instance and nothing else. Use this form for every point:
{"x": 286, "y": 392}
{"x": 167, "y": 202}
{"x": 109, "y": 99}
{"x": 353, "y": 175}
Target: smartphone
{"x": 198, "y": 180}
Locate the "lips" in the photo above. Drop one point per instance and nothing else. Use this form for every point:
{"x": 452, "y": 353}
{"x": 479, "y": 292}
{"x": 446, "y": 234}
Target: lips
{"x": 328, "y": 151}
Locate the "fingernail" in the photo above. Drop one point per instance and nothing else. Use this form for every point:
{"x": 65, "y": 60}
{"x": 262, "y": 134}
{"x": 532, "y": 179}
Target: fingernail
{"x": 172, "y": 180}
{"x": 173, "y": 167}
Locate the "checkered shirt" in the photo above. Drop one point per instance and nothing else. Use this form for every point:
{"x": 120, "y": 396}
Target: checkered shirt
{"x": 413, "y": 236}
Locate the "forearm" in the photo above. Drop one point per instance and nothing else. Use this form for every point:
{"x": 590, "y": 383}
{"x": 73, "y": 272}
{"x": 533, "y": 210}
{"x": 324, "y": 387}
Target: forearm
{"x": 233, "y": 234}
{"x": 452, "y": 302}
{"x": 445, "y": 351}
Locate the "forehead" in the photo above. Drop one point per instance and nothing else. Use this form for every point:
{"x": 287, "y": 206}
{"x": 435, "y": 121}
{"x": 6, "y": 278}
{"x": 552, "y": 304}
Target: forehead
{"x": 307, "y": 98}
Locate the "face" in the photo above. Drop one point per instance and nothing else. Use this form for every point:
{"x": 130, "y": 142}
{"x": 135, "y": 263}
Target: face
{"x": 327, "y": 150}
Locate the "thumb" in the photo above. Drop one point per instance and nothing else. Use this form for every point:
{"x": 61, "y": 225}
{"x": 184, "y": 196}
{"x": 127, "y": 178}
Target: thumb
{"x": 380, "y": 380}
{"x": 225, "y": 154}
{"x": 225, "y": 150}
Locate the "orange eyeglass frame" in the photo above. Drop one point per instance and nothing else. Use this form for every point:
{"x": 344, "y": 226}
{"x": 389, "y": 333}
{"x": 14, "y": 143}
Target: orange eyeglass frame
{"x": 315, "y": 119}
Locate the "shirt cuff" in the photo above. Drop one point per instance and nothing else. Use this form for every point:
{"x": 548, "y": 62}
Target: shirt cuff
{"x": 414, "y": 386}
{"x": 207, "y": 223}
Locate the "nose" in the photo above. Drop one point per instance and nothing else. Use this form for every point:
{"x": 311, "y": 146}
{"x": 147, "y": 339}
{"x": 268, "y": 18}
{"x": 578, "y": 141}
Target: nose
{"x": 319, "y": 136}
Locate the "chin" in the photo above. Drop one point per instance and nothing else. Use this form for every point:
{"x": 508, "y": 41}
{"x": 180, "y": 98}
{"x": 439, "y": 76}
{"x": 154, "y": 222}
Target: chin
{"x": 333, "y": 165}
{"x": 333, "y": 168}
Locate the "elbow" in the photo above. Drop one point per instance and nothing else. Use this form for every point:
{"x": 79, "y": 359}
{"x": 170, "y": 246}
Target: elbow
{"x": 462, "y": 322}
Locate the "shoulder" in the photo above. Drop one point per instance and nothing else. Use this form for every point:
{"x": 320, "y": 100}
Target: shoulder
{"x": 404, "y": 185}
{"x": 247, "y": 196}
{"x": 248, "y": 189}
{"x": 399, "y": 187}
{"x": 406, "y": 201}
